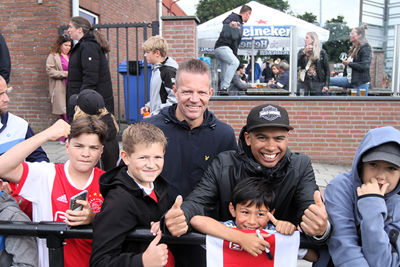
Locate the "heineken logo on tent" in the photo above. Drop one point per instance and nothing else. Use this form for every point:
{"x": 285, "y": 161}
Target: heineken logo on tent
{"x": 266, "y": 31}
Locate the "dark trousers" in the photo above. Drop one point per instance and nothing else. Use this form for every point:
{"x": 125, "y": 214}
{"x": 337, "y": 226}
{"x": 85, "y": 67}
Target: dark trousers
{"x": 312, "y": 87}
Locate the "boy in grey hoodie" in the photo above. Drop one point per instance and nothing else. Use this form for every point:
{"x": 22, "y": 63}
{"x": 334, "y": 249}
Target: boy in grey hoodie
{"x": 363, "y": 204}
{"x": 162, "y": 76}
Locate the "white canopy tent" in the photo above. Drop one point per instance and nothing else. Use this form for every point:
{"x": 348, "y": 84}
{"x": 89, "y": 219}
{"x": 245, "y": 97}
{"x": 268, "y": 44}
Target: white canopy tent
{"x": 270, "y": 29}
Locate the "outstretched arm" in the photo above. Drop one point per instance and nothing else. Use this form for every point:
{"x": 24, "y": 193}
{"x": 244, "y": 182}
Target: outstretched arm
{"x": 10, "y": 162}
{"x": 249, "y": 241}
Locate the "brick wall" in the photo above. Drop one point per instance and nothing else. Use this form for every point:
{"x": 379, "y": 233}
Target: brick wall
{"x": 180, "y": 33}
{"x": 327, "y": 130}
{"x": 30, "y": 28}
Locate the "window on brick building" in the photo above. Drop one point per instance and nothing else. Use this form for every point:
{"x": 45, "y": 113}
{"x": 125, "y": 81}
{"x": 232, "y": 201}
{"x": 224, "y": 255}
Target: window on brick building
{"x": 93, "y": 18}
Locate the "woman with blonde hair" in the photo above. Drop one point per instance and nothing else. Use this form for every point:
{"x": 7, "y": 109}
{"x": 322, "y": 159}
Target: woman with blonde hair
{"x": 90, "y": 103}
{"x": 356, "y": 72}
{"x": 88, "y": 66}
{"x": 313, "y": 61}
{"x": 57, "y": 69}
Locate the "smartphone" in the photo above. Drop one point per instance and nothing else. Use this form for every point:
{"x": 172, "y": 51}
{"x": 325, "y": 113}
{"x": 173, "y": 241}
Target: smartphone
{"x": 72, "y": 203}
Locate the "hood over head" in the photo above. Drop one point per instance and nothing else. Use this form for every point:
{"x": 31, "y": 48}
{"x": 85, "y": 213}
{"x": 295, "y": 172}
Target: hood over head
{"x": 374, "y": 138}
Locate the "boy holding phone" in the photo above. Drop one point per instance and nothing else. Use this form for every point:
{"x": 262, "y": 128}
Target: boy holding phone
{"x": 50, "y": 186}
{"x": 135, "y": 195}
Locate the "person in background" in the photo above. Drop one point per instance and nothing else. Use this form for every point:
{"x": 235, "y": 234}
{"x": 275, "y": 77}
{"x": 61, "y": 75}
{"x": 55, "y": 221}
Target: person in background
{"x": 15, "y": 250}
{"x": 227, "y": 45}
{"x": 162, "y": 77}
{"x": 363, "y": 204}
{"x": 257, "y": 72}
{"x": 57, "y": 69}
{"x": 238, "y": 86}
{"x": 275, "y": 72}
{"x": 283, "y": 81}
{"x": 90, "y": 103}
{"x": 267, "y": 73}
{"x": 314, "y": 60}
{"x": 88, "y": 65}
{"x": 356, "y": 72}
{"x": 5, "y": 62}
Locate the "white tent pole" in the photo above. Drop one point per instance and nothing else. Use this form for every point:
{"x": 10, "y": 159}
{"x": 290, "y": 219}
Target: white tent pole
{"x": 252, "y": 60}
{"x": 396, "y": 64}
{"x": 293, "y": 61}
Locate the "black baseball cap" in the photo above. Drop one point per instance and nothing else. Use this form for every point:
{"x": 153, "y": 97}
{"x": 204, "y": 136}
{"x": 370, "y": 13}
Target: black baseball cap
{"x": 268, "y": 115}
{"x": 88, "y": 100}
{"x": 389, "y": 152}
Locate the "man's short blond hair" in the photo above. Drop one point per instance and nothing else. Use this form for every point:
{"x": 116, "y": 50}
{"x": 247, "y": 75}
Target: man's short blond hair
{"x": 155, "y": 43}
{"x": 193, "y": 66}
{"x": 142, "y": 133}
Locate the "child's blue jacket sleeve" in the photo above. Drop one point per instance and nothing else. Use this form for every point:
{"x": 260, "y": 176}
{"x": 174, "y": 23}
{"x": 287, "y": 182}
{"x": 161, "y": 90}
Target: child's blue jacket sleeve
{"x": 376, "y": 243}
{"x": 344, "y": 243}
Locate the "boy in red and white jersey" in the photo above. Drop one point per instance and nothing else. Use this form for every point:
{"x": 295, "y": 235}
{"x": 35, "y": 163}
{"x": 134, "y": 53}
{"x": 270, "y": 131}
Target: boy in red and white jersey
{"x": 50, "y": 186}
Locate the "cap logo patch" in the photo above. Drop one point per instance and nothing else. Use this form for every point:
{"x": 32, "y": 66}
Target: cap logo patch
{"x": 270, "y": 113}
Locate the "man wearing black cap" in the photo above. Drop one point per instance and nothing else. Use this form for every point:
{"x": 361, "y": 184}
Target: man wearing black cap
{"x": 262, "y": 153}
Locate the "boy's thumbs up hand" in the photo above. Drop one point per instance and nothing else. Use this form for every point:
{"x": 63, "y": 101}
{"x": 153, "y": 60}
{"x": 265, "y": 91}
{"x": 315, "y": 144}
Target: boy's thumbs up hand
{"x": 178, "y": 202}
{"x": 283, "y": 227}
{"x": 155, "y": 254}
{"x": 315, "y": 219}
{"x": 175, "y": 219}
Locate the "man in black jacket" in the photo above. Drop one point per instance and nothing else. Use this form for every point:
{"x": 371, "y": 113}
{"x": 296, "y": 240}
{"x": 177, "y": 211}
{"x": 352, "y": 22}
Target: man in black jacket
{"x": 195, "y": 136}
{"x": 262, "y": 153}
{"x": 227, "y": 45}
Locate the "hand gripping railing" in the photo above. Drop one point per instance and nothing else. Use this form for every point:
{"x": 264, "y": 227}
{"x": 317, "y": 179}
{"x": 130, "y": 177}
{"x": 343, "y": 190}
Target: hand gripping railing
{"x": 56, "y": 232}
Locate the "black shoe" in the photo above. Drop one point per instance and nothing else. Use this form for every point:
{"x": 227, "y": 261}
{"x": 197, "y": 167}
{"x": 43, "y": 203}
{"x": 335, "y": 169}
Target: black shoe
{"x": 223, "y": 91}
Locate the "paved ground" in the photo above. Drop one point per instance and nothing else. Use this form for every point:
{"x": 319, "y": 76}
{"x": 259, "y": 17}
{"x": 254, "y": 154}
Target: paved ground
{"x": 323, "y": 172}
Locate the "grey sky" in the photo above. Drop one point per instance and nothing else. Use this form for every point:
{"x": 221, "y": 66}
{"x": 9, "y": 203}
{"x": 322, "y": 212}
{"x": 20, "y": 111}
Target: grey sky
{"x": 330, "y": 9}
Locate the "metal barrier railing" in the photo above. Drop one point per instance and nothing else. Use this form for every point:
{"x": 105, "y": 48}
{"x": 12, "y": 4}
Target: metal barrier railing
{"x": 56, "y": 232}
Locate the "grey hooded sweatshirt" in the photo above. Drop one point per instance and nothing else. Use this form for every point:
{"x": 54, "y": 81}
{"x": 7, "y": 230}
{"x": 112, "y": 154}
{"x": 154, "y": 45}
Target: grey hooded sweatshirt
{"x": 16, "y": 251}
{"x": 162, "y": 80}
{"x": 365, "y": 229}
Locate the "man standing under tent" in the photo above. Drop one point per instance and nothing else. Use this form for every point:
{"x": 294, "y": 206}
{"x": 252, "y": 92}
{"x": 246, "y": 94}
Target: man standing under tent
{"x": 226, "y": 47}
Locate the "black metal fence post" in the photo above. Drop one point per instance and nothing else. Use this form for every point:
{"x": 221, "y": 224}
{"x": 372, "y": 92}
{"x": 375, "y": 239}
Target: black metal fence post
{"x": 55, "y": 244}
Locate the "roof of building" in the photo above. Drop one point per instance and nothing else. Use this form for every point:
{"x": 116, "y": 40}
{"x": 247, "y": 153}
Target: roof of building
{"x": 173, "y": 8}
